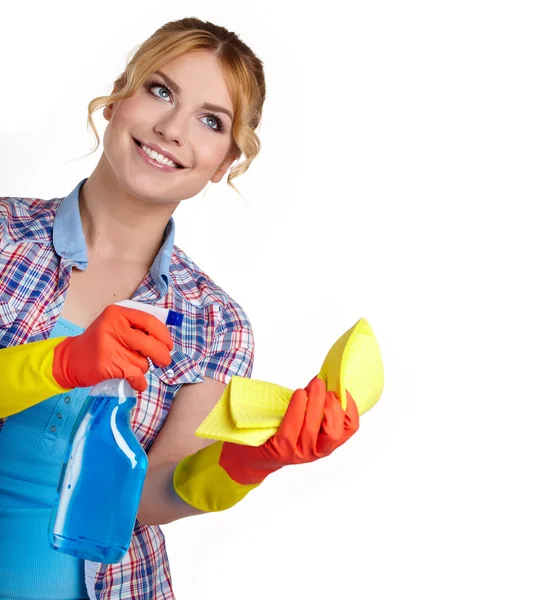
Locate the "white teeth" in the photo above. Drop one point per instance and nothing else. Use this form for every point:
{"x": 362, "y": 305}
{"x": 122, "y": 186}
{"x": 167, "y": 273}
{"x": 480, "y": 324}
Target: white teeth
{"x": 158, "y": 157}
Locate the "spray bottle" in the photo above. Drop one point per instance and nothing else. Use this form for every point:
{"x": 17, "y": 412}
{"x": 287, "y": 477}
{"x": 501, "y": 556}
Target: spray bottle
{"x": 104, "y": 471}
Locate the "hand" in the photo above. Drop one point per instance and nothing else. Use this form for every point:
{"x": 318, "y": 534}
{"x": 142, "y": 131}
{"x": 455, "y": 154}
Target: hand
{"x": 115, "y": 346}
{"x": 313, "y": 427}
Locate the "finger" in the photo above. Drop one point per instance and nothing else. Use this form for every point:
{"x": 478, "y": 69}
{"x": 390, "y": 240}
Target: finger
{"x": 289, "y": 430}
{"x": 138, "y": 382}
{"x": 332, "y": 428}
{"x": 147, "y": 346}
{"x": 132, "y": 361}
{"x": 149, "y": 324}
{"x": 351, "y": 417}
{"x": 307, "y": 442}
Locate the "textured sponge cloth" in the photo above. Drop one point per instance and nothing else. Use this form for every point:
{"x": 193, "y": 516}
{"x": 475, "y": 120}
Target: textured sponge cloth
{"x": 250, "y": 411}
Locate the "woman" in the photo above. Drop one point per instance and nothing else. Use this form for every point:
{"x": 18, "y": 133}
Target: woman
{"x": 184, "y": 110}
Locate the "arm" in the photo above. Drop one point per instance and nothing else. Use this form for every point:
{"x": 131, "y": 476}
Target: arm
{"x": 230, "y": 353}
{"x": 159, "y": 502}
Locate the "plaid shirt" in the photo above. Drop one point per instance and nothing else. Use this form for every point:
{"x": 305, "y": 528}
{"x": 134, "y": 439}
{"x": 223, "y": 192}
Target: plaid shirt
{"x": 40, "y": 242}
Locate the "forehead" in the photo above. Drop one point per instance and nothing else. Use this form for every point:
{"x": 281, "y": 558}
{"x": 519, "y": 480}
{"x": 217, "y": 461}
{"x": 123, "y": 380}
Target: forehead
{"x": 199, "y": 76}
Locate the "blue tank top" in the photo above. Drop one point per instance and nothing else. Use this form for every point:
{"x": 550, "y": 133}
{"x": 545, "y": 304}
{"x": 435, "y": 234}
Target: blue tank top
{"x": 32, "y": 448}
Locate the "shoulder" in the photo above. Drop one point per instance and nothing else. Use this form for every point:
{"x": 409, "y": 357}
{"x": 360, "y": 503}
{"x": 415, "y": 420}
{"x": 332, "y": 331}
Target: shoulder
{"x": 27, "y": 218}
{"x": 219, "y": 335}
{"x": 197, "y": 288}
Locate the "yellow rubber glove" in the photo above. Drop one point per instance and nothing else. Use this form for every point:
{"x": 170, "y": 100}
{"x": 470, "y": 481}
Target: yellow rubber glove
{"x": 26, "y": 375}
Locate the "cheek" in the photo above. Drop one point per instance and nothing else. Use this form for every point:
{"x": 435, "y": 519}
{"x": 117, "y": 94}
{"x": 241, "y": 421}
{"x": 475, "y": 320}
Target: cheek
{"x": 120, "y": 127}
{"x": 108, "y": 137}
{"x": 212, "y": 149}
{"x": 129, "y": 112}
{"x": 112, "y": 127}
{"x": 114, "y": 141}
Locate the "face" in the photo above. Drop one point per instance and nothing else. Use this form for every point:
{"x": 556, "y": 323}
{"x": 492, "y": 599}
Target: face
{"x": 174, "y": 135}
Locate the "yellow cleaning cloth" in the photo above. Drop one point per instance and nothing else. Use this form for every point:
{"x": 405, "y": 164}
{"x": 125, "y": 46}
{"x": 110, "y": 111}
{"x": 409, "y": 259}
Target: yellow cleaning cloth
{"x": 250, "y": 411}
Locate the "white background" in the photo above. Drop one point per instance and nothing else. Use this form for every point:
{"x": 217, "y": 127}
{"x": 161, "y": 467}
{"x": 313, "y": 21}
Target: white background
{"x": 407, "y": 175}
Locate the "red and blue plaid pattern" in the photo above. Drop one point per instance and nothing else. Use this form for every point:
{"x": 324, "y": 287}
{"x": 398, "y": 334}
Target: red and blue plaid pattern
{"x": 38, "y": 249}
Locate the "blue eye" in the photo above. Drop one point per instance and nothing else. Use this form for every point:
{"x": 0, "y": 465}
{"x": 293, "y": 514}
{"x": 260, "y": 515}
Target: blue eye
{"x": 165, "y": 92}
{"x": 214, "y": 122}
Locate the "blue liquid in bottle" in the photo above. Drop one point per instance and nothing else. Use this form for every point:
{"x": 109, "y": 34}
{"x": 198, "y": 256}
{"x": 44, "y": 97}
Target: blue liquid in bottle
{"x": 101, "y": 481}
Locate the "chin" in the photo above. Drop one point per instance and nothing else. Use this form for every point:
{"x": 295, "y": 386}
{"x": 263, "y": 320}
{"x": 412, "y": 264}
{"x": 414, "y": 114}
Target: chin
{"x": 153, "y": 187}
{"x": 149, "y": 190}
{"x": 145, "y": 188}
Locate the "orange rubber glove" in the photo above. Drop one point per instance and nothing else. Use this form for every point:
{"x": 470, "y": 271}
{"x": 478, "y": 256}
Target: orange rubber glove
{"x": 115, "y": 346}
{"x": 314, "y": 425}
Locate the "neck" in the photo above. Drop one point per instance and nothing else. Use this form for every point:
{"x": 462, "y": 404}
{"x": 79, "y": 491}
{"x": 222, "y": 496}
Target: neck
{"x": 117, "y": 224}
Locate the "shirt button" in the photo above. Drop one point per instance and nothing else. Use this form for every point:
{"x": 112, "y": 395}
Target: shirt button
{"x": 59, "y": 415}
{"x": 67, "y": 399}
{"x": 170, "y": 373}
{"x": 52, "y": 428}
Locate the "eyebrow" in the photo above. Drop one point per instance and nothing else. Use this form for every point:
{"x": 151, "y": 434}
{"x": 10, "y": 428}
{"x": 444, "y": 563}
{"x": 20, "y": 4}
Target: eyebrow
{"x": 206, "y": 105}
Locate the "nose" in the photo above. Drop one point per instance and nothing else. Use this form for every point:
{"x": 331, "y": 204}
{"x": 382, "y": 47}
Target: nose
{"x": 172, "y": 127}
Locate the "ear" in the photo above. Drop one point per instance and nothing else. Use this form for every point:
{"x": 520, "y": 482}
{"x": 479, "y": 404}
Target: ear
{"x": 225, "y": 165}
{"x": 108, "y": 110}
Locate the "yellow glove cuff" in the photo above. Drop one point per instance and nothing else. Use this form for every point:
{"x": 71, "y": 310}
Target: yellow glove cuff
{"x": 201, "y": 482}
{"x": 26, "y": 376}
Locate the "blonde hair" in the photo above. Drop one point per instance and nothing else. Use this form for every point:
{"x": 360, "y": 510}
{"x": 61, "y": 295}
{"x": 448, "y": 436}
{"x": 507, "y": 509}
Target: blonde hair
{"x": 243, "y": 73}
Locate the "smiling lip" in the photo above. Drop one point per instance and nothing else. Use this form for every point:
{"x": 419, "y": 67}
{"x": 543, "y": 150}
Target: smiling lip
{"x": 160, "y": 150}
